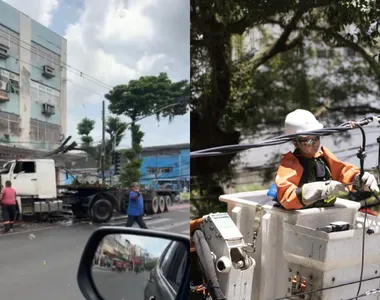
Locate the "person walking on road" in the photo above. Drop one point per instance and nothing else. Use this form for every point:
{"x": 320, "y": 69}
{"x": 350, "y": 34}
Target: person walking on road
{"x": 8, "y": 206}
{"x": 135, "y": 207}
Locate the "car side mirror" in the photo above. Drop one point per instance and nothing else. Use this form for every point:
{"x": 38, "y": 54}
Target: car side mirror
{"x": 133, "y": 263}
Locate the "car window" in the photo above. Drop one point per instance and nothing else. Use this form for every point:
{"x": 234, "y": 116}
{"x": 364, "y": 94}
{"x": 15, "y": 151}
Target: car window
{"x": 181, "y": 270}
{"x": 167, "y": 259}
{"x": 175, "y": 266}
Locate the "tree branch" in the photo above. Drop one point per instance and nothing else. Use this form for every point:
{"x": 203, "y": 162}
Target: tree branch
{"x": 266, "y": 55}
{"x": 261, "y": 13}
{"x": 345, "y": 43}
{"x": 349, "y": 44}
{"x": 281, "y": 44}
{"x": 357, "y": 109}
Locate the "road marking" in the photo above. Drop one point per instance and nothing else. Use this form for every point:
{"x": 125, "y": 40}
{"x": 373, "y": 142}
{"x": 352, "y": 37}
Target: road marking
{"x": 185, "y": 206}
{"x": 187, "y": 231}
{"x": 156, "y": 221}
{"x": 171, "y": 225}
{"x": 148, "y": 222}
{"x": 28, "y": 231}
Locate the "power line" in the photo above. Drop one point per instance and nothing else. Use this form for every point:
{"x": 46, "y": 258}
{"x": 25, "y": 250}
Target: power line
{"x": 62, "y": 63}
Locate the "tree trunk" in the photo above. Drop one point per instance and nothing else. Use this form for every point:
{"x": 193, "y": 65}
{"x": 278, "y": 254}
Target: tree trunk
{"x": 205, "y": 119}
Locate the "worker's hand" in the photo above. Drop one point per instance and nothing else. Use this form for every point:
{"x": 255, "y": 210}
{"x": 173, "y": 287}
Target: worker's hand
{"x": 369, "y": 181}
{"x": 322, "y": 190}
{"x": 333, "y": 188}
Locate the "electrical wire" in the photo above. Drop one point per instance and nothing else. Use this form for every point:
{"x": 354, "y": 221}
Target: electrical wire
{"x": 230, "y": 149}
{"x": 362, "y": 155}
{"x": 61, "y": 63}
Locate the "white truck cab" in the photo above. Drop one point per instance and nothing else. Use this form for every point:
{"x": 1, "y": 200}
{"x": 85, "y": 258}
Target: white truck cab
{"x": 35, "y": 183}
{"x": 35, "y": 178}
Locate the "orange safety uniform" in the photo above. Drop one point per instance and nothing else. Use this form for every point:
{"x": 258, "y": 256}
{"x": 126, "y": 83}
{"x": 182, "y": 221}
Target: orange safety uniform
{"x": 290, "y": 171}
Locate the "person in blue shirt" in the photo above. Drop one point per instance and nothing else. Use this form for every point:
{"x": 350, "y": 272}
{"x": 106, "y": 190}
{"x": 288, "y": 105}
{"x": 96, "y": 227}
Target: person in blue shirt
{"x": 135, "y": 210}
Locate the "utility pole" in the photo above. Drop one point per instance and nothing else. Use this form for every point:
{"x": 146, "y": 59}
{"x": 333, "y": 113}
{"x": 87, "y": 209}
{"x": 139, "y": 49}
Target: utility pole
{"x": 103, "y": 158}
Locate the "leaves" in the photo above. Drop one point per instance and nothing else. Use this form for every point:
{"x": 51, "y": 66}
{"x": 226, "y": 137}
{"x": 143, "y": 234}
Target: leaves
{"x": 130, "y": 171}
{"x": 148, "y": 95}
{"x": 145, "y": 96}
{"x": 85, "y": 126}
{"x": 114, "y": 127}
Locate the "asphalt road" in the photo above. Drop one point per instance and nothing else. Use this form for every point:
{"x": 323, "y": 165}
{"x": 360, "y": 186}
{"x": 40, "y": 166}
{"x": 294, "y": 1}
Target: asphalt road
{"x": 119, "y": 286}
{"x": 41, "y": 263}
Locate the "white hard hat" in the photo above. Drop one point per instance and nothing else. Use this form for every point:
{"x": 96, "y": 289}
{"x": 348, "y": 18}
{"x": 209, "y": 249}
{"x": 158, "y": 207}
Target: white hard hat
{"x": 301, "y": 120}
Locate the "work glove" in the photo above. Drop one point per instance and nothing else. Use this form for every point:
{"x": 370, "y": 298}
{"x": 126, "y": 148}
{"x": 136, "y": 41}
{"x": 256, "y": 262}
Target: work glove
{"x": 369, "y": 181}
{"x": 322, "y": 190}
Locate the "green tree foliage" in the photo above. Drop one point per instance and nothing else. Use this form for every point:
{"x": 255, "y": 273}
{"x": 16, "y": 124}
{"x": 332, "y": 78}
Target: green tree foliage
{"x": 84, "y": 130}
{"x": 114, "y": 126}
{"x": 254, "y": 90}
{"x": 138, "y": 99}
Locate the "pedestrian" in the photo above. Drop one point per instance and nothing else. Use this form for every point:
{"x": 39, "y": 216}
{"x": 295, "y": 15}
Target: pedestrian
{"x": 8, "y": 206}
{"x": 310, "y": 176}
{"x": 135, "y": 210}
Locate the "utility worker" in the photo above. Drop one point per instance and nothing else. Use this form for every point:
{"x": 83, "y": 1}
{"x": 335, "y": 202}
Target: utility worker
{"x": 310, "y": 176}
{"x": 135, "y": 207}
{"x": 8, "y": 206}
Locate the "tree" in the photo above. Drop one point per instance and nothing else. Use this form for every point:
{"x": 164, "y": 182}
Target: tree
{"x": 138, "y": 99}
{"x": 114, "y": 126}
{"x": 261, "y": 86}
{"x": 84, "y": 130}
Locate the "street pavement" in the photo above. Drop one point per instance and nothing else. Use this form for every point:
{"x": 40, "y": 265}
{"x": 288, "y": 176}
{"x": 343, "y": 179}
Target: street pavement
{"x": 40, "y": 263}
{"x": 119, "y": 286}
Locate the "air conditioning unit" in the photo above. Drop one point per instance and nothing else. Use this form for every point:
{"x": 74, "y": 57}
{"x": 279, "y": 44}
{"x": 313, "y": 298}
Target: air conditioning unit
{"x": 48, "y": 72}
{"x": 48, "y": 109}
{"x": 4, "y": 51}
{"x": 4, "y": 86}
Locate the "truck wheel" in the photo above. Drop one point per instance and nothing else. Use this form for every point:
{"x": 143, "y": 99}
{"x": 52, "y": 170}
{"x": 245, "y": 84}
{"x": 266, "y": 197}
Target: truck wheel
{"x": 161, "y": 204}
{"x": 152, "y": 206}
{"x": 102, "y": 211}
{"x": 168, "y": 202}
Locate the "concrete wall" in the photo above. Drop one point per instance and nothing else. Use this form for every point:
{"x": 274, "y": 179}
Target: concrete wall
{"x": 25, "y": 70}
{"x": 32, "y": 46}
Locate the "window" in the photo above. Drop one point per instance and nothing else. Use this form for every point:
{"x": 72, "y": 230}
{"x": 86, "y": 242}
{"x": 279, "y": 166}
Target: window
{"x": 173, "y": 265}
{"x": 9, "y": 123}
{"x": 350, "y": 52}
{"x": 26, "y": 167}
{"x": 6, "y": 168}
{"x": 40, "y": 93}
{"x": 157, "y": 170}
{"x": 12, "y": 79}
{"x": 41, "y": 56}
{"x": 181, "y": 271}
{"x": 322, "y": 53}
{"x": 11, "y": 39}
{"x": 43, "y": 131}
{"x": 165, "y": 263}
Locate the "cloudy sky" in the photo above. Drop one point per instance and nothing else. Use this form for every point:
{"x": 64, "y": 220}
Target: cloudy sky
{"x": 115, "y": 41}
